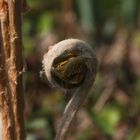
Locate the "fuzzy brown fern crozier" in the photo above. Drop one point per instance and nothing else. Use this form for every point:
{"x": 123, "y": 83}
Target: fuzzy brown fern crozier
{"x": 70, "y": 65}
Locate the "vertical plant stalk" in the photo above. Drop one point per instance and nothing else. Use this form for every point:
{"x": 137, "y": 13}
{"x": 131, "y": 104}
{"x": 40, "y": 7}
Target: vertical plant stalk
{"x": 16, "y": 66}
{"x": 5, "y": 102}
{"x": 6, "y": 109}
{"x": 5, "y": 28}
{"x": 11, "y": 70}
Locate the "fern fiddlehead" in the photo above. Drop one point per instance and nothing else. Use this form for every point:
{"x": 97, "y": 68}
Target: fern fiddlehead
{"x": 70, "y": 65}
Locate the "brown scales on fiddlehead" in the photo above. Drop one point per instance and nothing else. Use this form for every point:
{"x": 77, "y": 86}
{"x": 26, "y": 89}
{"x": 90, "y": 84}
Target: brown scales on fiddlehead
{"x": 71, "y": 65}
{"x": 69, "y": 70}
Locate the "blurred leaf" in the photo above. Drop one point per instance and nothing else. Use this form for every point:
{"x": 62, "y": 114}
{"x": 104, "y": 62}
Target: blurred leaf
{"x": 31, "y": 137}
{"x": 29, "y": 46}
{"x": 136, "y": 39}
{"x": 35, "y": 3}
{"x": 107, "y": 119}
{"x": 134, "y": 135}
{"x": 128, "y": 7}
{"x": 45, "y": 23}
{"x": 109, "y": 8}
{"x": 136, "y": 98}
{"x": 85, "y": 10}
{"x": 53, "y": 103}
{"x": 85, "y": 135}
{"x": 41, "y": 126}
{"x": 39, "y": 123}
{"x": 26, "y": 27}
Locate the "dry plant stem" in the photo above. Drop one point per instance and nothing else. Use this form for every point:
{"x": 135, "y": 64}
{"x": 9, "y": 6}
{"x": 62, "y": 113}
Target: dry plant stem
{"x": 70, "y": 112}
{"x": 5, "y": 94}
{"x": 11, "y": 70}
{"x": 5, "y": 28}
{"x": 16, "y": 66}
{"x": 5, "y": 102}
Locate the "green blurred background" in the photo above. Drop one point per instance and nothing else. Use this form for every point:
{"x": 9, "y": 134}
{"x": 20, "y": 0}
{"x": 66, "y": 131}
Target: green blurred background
{"x": 112, "y": 28}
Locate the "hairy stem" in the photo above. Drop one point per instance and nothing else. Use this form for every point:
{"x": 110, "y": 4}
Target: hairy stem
{"x": 5, "y": 101}
{"x": 11, "y": 70}
{"x": 16, "y": 66}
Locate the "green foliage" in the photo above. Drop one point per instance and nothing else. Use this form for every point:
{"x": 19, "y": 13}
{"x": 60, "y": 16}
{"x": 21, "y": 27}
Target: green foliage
{"x": 107, "y": 120}
{"x": 45, "y": 23}
{"x": 85, "y": 11}
{"x": 39, "y": 124}
{"x": 86, "y": 134}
